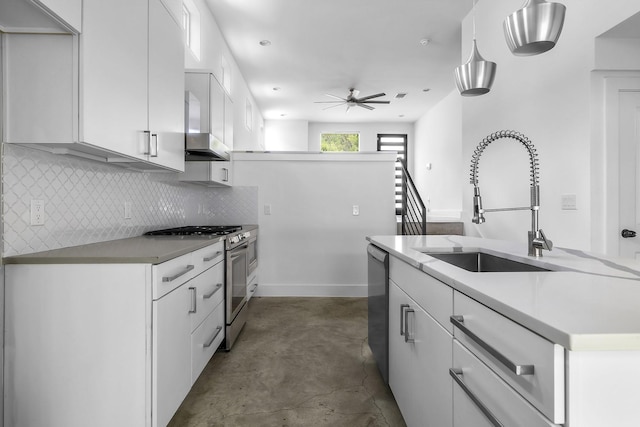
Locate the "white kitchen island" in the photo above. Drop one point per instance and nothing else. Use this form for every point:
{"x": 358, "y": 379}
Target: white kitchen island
{"x": 577, "y": 327}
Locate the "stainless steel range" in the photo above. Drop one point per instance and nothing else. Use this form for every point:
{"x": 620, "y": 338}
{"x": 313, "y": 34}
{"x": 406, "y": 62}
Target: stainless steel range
{"x": 240, "y": 258}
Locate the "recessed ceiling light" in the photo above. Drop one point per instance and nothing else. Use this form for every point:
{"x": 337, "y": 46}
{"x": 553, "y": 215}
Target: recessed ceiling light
{"x": 276, "y": 88}
{"x": 400, "y": 115}
{"x": 400, "y": 95}
{"x": 426, "y": 90}
{"x": 282, "y": 115}
{"x": 265, "y": 43}
{"x": 425, "y": 42}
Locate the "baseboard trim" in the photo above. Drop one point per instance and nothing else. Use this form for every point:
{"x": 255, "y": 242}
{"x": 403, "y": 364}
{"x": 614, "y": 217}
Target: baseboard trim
{"x": 311, "y": 290}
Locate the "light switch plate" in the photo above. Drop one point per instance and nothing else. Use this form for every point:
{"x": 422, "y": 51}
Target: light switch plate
{"x": 568, "y": 202}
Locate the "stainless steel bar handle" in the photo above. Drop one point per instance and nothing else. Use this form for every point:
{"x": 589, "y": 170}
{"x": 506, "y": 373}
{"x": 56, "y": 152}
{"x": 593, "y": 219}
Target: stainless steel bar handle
{"x": 458, "y": 321}
{"x": 212, "y": 257}
{"x": 182, "y": 273}
{"x": 194, "y": 301}
{"x": 406, "y": 325}
{"x": 147, "y": 142}
{"x": 208, "y": 344}
{"x": 456, "y": 374}
{"x": 210, "y": 294}
{"x": 225, "y": 178}
{"x": 153, "y": 146}
{"x": 402, "y": 307}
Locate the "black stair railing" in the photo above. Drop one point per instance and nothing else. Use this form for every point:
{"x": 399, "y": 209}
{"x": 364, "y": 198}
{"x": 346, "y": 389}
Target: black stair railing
{"x": 413, "y": 212}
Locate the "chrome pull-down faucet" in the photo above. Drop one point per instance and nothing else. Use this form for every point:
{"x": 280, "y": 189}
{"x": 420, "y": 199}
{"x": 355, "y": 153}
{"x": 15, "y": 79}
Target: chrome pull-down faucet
{"x": 537, "y": 239}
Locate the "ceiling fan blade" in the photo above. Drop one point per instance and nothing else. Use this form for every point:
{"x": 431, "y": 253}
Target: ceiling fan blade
{"x": 329, "y": 102}
{"x": 333, "y": 106}
{"x": 365, "y": 106}
{"x": 336, "y": 97}
{"x": 377, "y": 95}
{"x": 375, "y": 102}
{"x": 348, "y": 108}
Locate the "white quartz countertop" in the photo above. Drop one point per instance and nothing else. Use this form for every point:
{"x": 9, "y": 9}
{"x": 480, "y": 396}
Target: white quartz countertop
{"x": 136, "y": 250}
{"x": 588, "y": 301}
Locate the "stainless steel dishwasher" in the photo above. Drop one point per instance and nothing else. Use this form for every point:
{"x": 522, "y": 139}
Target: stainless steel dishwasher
{"x": 378, "y": 302}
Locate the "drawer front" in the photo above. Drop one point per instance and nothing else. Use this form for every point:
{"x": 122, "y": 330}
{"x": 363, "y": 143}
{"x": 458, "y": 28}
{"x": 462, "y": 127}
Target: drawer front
{"x": 207, "y": 291}
{"x": 209, "y": 256}
{"x": 252, "y": 286}
{"x": 498, "y": 399}
{"x": 168, "y": 275}
{"x": 432, "y": 295}
{"x": 205, "y": 341}
{"x": 505, "y": 345}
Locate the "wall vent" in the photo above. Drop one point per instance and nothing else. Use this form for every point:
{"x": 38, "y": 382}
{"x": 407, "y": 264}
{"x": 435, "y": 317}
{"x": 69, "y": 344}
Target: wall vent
{"x": 400, "y": 95}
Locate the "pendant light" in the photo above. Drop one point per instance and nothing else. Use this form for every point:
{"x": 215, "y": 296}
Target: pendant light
{"x": 476, "y": 76}
{"x": 535, "y": 28}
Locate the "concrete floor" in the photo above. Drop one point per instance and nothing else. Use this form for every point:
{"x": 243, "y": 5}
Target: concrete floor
{"x": 298, "y": 362}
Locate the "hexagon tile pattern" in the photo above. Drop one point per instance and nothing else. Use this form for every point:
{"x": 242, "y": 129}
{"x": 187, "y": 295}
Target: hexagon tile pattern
{"x": 84, "y": 201}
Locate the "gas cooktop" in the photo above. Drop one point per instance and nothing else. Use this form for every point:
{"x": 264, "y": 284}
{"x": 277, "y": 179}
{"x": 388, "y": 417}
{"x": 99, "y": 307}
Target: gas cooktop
{"x": 196, "y": 230}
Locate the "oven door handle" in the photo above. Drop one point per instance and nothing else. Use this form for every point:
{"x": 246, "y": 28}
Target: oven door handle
{"x": 235, "y": 253}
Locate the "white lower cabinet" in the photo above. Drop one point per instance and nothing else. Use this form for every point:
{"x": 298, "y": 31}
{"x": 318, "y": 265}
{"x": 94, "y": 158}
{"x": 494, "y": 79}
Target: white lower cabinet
{"x": 481, "y": 398}
{"x": 171, "y": 352}
{"x": 106, "y": 345}
{"x": 419, "y": 359}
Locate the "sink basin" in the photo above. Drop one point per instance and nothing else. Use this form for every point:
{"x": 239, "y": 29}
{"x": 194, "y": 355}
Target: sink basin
{"x": 480, "y": 262}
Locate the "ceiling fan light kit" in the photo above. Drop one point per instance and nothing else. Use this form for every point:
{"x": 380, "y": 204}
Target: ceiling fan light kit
{"x": 535, "y": 28}
{"x": 531, "y": 30}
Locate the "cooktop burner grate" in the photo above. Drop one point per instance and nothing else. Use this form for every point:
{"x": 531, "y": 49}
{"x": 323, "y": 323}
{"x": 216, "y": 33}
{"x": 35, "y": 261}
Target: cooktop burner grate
{"x": 196, "y": 230}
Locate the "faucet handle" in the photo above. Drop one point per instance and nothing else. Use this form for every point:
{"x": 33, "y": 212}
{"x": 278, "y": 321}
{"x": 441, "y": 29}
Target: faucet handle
{"x": 542, "y": 242}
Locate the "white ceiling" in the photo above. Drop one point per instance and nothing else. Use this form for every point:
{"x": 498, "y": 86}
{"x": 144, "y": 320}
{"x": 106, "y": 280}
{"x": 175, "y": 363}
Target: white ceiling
{"x": 328, "y": 46}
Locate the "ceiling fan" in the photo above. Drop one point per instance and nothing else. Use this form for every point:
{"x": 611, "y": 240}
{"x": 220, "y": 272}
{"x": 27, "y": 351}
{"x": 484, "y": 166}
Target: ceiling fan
{"x": 352, "y": 100}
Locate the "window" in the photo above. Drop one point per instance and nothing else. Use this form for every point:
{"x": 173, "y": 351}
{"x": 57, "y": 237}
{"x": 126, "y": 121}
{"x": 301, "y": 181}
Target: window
{"x": 398, "y": 143}
{"x": 340, "y": 142}
{"x": 191, "y": 27}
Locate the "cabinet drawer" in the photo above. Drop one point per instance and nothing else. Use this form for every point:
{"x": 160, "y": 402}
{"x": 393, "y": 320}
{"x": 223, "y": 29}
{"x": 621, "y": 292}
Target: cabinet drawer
{"x": 209, "y": 256}
{"x": 171, "y": 274}
{"x": 207, "y": 291}
{"x": 432, "y": 295}
{"x": 500, "y": 400}
{"x": 506, "y": 347}
{"x": 205, "y": 341}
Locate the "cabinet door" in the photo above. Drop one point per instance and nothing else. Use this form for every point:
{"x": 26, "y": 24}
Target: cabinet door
{"x": 171, "y": 353}
{"x": 221, "y": 173}
{"x": 216, "y": 109}
{"x": 420, "y": 362}
{"x": 166, "y": 88}
{"x": 113, "y": 75}
{"x": 228, "y": 122}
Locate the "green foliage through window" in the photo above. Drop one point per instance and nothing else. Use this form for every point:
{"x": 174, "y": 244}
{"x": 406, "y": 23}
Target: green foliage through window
{"x": 340, "y": 142}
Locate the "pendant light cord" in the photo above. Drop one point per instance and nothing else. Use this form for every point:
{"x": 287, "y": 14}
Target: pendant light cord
{"x": 473, "y": 17}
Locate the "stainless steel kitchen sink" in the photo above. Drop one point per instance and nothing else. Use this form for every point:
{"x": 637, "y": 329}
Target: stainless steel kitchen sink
{"x": 480, "y": 262}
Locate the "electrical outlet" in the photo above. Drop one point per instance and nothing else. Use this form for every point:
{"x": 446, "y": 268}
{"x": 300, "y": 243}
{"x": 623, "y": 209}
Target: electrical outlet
{"x": 356, "y": 210}
{"x": 267, "y": 209}
{"x": 37, "y": 212}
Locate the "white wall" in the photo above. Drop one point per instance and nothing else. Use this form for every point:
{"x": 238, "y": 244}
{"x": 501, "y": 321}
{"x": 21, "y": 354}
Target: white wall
{"x": 311, "y": 244}
{"x": 213, "y": 50}
{"x": 286, "y": 135}
{"x": 547, "y": 97}
{"x": 438, "y": 142}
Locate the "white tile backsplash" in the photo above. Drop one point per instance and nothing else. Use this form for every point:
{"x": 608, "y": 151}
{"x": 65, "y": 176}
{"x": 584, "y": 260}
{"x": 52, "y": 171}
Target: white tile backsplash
{"x": 84, "y": 201}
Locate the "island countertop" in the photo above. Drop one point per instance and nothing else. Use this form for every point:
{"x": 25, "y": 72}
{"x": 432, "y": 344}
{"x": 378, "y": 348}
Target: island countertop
{"x": 587, "y": 302}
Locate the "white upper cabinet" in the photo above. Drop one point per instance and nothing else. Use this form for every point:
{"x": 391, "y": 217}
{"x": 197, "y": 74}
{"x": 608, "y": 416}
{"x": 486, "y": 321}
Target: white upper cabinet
{"x": 41, "y": 16}
{"x": 166, "y": 88}
{"x": 117, "y": 93}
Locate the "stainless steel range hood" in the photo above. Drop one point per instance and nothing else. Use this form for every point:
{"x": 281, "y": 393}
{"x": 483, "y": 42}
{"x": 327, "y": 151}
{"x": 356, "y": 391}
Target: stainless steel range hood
{"x": 205, "y": 147}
